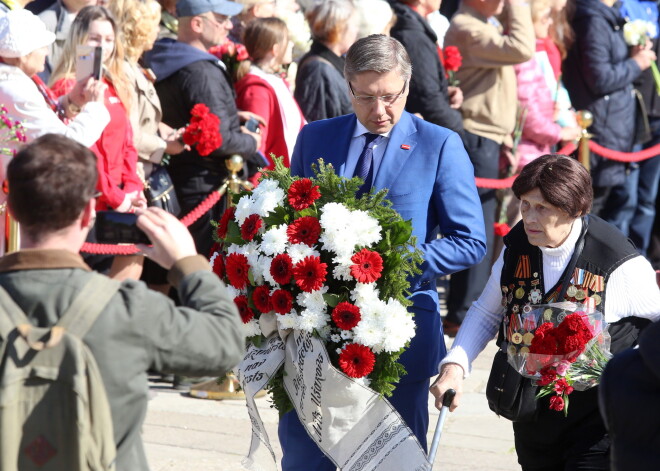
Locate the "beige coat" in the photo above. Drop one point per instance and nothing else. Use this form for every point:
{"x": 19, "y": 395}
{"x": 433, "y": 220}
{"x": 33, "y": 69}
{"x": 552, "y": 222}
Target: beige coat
{"x": 486, "y": 77}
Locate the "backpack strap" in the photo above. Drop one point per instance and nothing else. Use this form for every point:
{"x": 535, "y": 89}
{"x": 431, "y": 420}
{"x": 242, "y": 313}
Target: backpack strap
{"x": 11, "y": 315}
{"x": 90, "y": 302}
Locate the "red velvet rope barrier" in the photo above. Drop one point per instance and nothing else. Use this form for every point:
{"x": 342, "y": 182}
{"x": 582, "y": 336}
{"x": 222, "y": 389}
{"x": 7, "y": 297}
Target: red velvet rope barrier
{"x": 130, "y": 249}
{"x": 624, "y": 156}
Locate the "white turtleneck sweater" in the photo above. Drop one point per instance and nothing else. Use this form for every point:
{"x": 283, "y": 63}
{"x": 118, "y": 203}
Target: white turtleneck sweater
{"x": 631, "y": 291}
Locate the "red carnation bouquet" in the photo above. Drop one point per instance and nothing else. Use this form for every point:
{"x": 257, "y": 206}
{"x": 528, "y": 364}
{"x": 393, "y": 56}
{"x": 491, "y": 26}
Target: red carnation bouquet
{"x": 203, "y": 132}
{"x": 564, "y": 346}
{"x": 306, "y": 254}
{"x": 451, "y": 60}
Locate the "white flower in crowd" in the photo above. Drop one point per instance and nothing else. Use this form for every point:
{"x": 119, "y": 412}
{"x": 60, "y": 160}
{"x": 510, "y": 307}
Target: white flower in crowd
{"x": 297, "y": 252}
{"x": 244, "y": 208}
{"x": 398, "y": 326}
{"x": 637, "y": 32}
{"x": 346, "y": 334}
{"x": 264, "y": 267}
{"x": 267, "y": 197}
{"x": 313, "y": 300}
{"x": 336, "y": 338}
{"x": 233, "y": 292}
{"x": 365, "y": 293}
{"x": 364, "y": 381}
{"x": 365, "y": 229}
{"x": 368, "y": 331}
{"x": 274, "y": 241}
{"x": 324, "y": 332}
{"x": 213, "y": 257}
{"x": 288, "y": 321}
{"x": 311, "y": 320}
{"x": 252, "y": 328}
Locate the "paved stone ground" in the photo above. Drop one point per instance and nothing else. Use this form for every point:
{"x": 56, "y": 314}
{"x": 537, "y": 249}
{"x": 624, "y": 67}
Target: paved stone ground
{"x": 183, "y": 433}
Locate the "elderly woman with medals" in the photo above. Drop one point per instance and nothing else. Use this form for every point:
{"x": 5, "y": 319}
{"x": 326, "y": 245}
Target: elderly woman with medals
{"x": 556, "y": 253}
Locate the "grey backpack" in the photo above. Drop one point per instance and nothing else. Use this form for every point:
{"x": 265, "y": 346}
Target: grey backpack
{"x": 54, "y": 413}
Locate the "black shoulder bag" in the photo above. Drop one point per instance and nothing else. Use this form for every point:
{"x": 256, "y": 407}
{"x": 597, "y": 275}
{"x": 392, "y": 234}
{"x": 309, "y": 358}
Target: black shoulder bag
{"x": 159, "y": 190}
{"x": 509, "y": 393}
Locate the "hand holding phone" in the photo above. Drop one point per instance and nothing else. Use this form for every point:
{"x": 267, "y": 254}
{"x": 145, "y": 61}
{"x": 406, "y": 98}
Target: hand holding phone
{"x": 118, "y": 228}
{"x": 89, "y": 62}
{"x": 252, "y": 125}
{"x": 171, "y": 239}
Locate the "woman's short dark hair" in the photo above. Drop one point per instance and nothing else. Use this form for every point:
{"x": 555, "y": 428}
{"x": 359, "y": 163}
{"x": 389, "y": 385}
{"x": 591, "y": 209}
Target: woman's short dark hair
{"x": 50, "y": 181}
{"x": 563, "y": 182}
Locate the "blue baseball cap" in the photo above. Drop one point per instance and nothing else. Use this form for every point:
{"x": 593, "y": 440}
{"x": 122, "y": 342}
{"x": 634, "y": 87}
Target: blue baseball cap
{"x": 197, "y": 7}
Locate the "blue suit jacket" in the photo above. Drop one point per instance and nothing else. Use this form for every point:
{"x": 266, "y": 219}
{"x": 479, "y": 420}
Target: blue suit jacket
{"x": 432, "y": 184}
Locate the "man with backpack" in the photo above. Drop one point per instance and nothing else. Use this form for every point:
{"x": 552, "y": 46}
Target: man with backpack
{"x": 79, "y": 405}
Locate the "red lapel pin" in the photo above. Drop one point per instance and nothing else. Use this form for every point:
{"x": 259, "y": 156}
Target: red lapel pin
{"x": 405, "y": 146}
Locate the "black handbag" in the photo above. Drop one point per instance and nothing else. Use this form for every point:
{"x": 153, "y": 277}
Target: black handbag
{"x": 159, "y": 190}
{"x": 509, "y": 393}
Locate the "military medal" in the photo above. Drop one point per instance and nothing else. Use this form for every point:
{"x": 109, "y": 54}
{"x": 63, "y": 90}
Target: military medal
{"x": 527, "y": 308}
{"x": 580, "y": 295}
{"x": 515, "y": 308}
{"x": 520, "y": 292}
{"x": 524, "y": 350}
{"x": 547, "y": 314}
{"x": 571, "y": 291}
{"x": 527, "y": 338}
{"x": 517, "y": 338}
{"x": 511, "y": 349}
{"x": 561, "y": 317}
{"x": 535, "y": 296}
{"x": 597, "y": 299}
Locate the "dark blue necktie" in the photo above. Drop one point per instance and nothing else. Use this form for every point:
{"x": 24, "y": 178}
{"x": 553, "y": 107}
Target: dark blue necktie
{"x": 365, "y": 168}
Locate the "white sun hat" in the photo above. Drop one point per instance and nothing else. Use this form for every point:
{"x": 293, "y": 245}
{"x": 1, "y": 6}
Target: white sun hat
{"x": 21, "y": 32}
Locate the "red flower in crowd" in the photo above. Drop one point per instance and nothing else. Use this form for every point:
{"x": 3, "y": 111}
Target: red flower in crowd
{"x": 281, "y": 301}
{"x": 546, "y": 379}
{"x": 281, "y": 269}
{"x": 562, "y": 387}
{"x": 544, "y": 341}
{"x": 557, "y": 403}
{"x": 368, "y": 266}
{"x": 303, "y": 193}
{"x": 246, "y": 313}
{"x": 261, "y": 298}
{"x": 356, "y": 360}
{"x": 501, "y": 229}
{"x": 309, "y": 273}
{"x": 237, "y": 268}
{"x": 203, "y": 131}
{"x": 230, "y": 49}
{"x": 251, "y": 226}
{"x": 219, "y": 266}
{"x": 304, "y": 230}
{"x": 453, "y": 59}
{"x": 227, "y": 216}
{"x": 346, "y": 315}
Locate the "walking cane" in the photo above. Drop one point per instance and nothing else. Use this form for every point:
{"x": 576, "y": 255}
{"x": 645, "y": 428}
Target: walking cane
{"x": 446, "y": 402}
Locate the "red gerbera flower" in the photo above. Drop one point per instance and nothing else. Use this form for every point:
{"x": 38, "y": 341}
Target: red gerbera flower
{"x": 281, "y": 301}
{"x": 219, "y": 266}
{"x": 356, "y": 360}
{"x": 237, "y": 268}
{"x": 310, "y": 273}
{"x": 346, "y": 315}
{"x": 304, "y": 230}
{"x": 243, "y": 308}
{"x": 261, "y": 298}
{"x": 227, "y": 216}
{"x": 368, "y": 266}
{"x": 281, "y": 269}
{"x": 302, "y": 193}
{"x": 251, "y": 226}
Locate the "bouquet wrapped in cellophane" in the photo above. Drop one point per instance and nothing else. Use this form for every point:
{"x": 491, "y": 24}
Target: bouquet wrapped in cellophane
{"x": 564, "y": 346}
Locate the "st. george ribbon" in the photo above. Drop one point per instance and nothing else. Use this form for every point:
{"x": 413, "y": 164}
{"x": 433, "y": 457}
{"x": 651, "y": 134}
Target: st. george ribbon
{"x": 356, "y": 428}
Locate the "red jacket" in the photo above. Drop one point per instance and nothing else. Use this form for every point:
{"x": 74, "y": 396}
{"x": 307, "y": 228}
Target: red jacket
{"x": 256, "y": 95}
{"x": 116, "y": 155}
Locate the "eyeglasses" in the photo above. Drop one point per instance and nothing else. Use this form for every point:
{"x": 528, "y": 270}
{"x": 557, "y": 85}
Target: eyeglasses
{"x": 368, "y": 100}
{"x": 219, "y": 20}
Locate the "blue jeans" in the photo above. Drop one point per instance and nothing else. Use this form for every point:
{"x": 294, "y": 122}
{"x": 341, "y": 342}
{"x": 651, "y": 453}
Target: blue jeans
{"x": 637, "y": 214}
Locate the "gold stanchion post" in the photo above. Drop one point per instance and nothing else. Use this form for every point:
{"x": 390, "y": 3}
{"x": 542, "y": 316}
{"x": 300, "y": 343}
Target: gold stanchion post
{"x": 584, "y": 120}
{"x": 226, "y": 387}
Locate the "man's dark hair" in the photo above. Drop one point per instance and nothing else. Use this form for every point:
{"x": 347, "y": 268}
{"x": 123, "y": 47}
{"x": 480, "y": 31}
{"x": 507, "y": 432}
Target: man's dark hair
{"x": 563, "y": 182}
{"x": 50, "y": 181}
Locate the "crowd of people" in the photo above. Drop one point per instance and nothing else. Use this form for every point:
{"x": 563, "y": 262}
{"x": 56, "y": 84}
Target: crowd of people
{"x": 348, "y": 80}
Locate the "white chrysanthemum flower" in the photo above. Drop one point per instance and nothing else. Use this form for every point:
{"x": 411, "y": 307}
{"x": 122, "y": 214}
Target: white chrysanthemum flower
{"x": 233, "y": 248}
{"x": 213, "y": 257}
{"x": 266, "y": 202}
{"x": 310, "y": 320}
{"x": 365, "y": 293}
{"x": 364, "y": 381}
{"x": 342, "y": 270}
{"x": 313, "y": 300}
{"x": 365, "y": 229}
{"x": 346, "y": 334}
{"x": 274, "y": 240}
{"x": 244, "y": 208}
{"x": 233, "y": 292}
{"x": 334, "y": 217}
{"x": 398, "y": 325}
{"x": 251, "y": 328}
{"x": 339, "y": 350}
{"x": 324, "y": 332}
{"x": 336, "y": 338}
{"x": 264, "y": 267}
{"x": 297, "y": 252}
{"x": 288, "y": 321}
{"x": 266, "y": 185}
{"x": 368, "y": 332}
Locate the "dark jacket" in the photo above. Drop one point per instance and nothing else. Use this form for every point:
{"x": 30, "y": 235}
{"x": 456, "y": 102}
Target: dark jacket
{"x": 599, "y": 75}
{"x": 629, "y": 391}
{"x": 321, "y": 91}
{"x": 428, "y": 86}
{"x": 186, "y": 76}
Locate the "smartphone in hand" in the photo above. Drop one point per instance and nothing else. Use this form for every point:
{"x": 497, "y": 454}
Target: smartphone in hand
{"x": 89, "y": 62}
{"x": 118, "y": 228}
{"x": 252, "y": 125}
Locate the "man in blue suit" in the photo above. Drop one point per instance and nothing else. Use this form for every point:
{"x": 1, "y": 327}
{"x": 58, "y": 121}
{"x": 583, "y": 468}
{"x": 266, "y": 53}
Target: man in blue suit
{"x": 430, "y": 181}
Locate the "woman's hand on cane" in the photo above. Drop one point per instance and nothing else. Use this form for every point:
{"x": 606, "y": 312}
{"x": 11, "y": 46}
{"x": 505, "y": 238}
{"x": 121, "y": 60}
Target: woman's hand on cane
{"x": 451, "y": 377}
